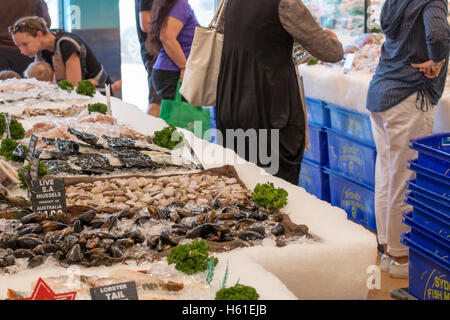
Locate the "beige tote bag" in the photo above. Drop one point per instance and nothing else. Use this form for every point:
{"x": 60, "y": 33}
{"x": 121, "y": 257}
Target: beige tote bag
{"x": 199, "y": 85}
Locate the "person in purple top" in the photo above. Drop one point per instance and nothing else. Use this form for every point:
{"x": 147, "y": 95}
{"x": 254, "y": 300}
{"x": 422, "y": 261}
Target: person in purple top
{"x": 170, "y": 38}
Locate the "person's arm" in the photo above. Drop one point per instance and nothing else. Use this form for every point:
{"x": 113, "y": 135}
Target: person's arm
{"x": 300, "y": 24}
{"x": 73, "y": 69}
{"x": 42, "y": 11}
{"x": 168, "y": 37}
{"x": 145, "y": 20}
{"x": 437, "y": 39}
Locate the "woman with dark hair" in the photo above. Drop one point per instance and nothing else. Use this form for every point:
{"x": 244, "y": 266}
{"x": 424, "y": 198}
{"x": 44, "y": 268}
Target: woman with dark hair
{"x": 69, "y": 56}
{"x": 170, "y": 38}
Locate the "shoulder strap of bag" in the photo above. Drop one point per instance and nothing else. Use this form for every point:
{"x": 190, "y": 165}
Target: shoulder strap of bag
{"x": 218, "y": 16}
{"x": 81, "y": 49}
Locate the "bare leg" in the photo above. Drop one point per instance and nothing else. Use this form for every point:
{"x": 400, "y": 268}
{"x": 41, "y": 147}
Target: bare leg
{"x": 154, "y": 109}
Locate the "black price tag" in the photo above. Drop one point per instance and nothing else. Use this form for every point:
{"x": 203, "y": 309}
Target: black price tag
{"x": 120, "y": 291}
{"x": 31, "y": 147}
{"x": 48, "y": 196}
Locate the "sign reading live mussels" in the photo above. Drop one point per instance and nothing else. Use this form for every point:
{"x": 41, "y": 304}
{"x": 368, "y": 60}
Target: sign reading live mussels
{"x": 48, "y": 196}
{"x": 119, "y": 291}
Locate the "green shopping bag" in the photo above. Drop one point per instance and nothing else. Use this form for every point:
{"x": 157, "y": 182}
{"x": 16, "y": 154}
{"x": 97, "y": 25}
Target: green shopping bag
{"x": 183, "y": 115}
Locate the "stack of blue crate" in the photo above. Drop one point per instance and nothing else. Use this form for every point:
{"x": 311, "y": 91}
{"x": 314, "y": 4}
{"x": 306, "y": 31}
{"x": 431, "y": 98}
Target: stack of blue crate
{"x": 352, "y": 155}
{"x": 312, "y": 175}
{"x": 429, "y": 238}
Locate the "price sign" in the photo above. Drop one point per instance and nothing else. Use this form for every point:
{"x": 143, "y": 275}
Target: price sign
{"x": 31, "y": 147}
{"x": 119, "y": 291}
{"x": 48, "y": 196}
{"x": 349, "y": 63}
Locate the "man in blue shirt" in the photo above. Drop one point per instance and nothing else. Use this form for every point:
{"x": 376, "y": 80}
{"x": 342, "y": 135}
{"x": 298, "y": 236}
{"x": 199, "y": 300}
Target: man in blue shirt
{"x": 409, "y": 81}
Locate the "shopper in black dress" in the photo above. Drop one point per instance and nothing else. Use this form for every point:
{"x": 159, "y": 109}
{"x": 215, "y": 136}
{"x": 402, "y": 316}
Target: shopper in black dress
{"x": 257, "y": 86}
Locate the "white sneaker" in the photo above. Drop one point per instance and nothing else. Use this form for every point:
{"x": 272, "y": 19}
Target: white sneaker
{"x": 398, "y": 270}
{"x": 385, "y": 261}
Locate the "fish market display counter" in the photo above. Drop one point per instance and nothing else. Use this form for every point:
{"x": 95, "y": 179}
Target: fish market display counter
{"x": 332, "y": 264}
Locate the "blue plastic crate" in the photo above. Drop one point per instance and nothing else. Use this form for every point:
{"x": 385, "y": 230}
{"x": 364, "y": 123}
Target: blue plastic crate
{"x": 432, "y": 219}
{"x": 357, "y": 199}
{"x": 427, "y": 238}
{"x": 318, "y": 145}
{"x": 314, "y": 180}
{"x": 350, "y": 122}
{"x": 428, "y": 273}
{"x": 317, "y": 113}
{"x": 429, "y": 198}
{"x": 430, "y": 180}
{"x": 434, "y": 152}
{"x": 351, "y": 157}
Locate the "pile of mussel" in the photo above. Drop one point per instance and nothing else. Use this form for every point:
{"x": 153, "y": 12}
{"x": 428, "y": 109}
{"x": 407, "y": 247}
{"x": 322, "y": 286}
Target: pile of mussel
{"x": 94, "y": 239}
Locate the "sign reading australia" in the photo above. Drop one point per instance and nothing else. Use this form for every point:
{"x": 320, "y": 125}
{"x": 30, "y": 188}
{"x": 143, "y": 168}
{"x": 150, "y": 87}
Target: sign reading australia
{"x": 48, "y": 196}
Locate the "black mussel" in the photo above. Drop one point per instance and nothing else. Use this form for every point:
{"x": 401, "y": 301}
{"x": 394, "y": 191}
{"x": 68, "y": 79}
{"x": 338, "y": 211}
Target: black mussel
{"x": 23, "y": 253}
{"x": 174, "y": 217}
{"x": 179, "y": 229}
{"x": 249, "y": 214}
{"x": 200, "y": 231}
{"x": 153, "y": 241}
{"x": 185, "y": 213}
{"x": 125, "y": 214}
{"x": 278, "y": 230}
{"x": 258, "y": 228}
{"x": 211, "y": 216}
{"x": 96, "y": 223}
{"x": 142, "y": 219}
{"x": 33, "y": 217}
{"x": 52, "y": 226}
{"x": 244, "y": 223}
{"x": 232, "y": 209}
{"x": 156, "y": 213}
{"x": 217, "y": 204}
{"x": 110, "y": 223}
{"x": 92, "y": 243}
{"x": 11, "y": 242}
{"x": 36, "y": 261}
{"x": 87, "y": 217}
{"x": 4, "y": 263}
{"x": 74, "y": 254}
{"x": 104, "y": 235}
{"x": 98, "y": 251}
{"x": 126, "y": 242}
{"x": 199, "y": 220}
{"x": 29, "y": 228}
{"x": 28, "y": 242}
{"x": 46, "y": 248}
{"x": 69, "y": 242}
{"x": 136, "y": 235}
{"x": 115, "y": 252}
{"x": 177, "y": 203}
{"x": 77, "y": 227}
{"x": 168, "y": 238}
{"x": 4, "y": 242}
{"x": 250, "y": 235}
{"x": 262, "y": 215}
